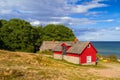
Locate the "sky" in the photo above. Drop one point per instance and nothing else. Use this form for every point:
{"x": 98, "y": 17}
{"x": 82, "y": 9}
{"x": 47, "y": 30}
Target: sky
{"x": 90, "y": 20}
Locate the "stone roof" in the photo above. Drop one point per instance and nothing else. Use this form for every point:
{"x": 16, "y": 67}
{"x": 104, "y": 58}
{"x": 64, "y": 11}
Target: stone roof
{"x": 75, "y": 47}
{"x": 78, "y": 47}
{"x": 59, "y": 48}
{"x": 56, "y": 46}
{"x": 48, "y": 45}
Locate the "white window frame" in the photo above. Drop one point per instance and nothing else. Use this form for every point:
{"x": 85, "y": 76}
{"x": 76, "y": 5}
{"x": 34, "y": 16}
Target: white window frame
{"x": 89, "y": 59}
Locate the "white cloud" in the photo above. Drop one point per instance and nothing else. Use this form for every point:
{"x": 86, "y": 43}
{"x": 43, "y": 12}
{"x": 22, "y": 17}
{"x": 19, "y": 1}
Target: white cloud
{"x": 109, "y": 20}
{"x": 85, "y": 7}
{"x": 2, "y": 3}
{"x": 64, "y": 18}
{"x": 106, "y": 34}
{"x": 73, "y": 21}
{"x": 45, "y": 8}
{"x": 53, "y": 22}
{"x": 93, "y": 13}
{"x": 5, "y": 11}
{"x": 117, "y": 28}
{"x": 35, "y": 23}
{"x": 106, "y": 20}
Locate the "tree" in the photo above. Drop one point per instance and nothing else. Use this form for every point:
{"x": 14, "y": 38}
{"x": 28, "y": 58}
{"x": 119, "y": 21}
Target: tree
{"x": 58, "y": 32}
{"x": 65, "y": 33}
{"x": 20, "y": 35}
{"x": 36, "y": 37}
{"x": 48, "y": 32}
{"x": 2, "y": 22}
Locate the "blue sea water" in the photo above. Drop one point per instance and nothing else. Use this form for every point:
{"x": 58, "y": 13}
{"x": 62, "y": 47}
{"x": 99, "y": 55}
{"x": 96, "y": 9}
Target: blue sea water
{"x": 107, "y": 47}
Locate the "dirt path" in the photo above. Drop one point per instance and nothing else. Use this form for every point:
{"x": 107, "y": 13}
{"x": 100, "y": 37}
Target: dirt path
{"x": 112, "y": 70}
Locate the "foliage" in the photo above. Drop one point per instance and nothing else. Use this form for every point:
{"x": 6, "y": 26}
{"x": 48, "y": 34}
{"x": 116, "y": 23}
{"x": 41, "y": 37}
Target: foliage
{"x": 112, "y": 57}
{"x": 98, "y": 55}
{"x": 107, "y": 58}
{"x": 20, "y": 35}
{"x": 58, "y": 33}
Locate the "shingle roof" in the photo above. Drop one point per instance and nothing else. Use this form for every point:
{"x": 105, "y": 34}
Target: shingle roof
{"x": 56, "y": 46}
{"x": 48, "y": 45}
{"x": 59, "y": 48}
{"x": 78, "y": 47}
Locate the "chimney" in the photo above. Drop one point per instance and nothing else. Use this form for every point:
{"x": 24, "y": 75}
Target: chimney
{"x": 75, "y": 40}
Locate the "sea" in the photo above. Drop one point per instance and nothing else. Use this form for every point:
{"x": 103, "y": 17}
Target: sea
{"x": 107, "y": 47}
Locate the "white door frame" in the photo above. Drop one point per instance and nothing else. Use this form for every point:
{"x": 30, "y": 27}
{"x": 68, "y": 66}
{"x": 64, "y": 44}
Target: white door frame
{"x": 88, "y": 59}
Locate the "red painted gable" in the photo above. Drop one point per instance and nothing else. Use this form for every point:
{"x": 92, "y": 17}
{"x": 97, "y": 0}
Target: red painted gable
{"x": 88, "y": 51}
{"x": 63, "y": 44}
{"x": 60, "y": 52}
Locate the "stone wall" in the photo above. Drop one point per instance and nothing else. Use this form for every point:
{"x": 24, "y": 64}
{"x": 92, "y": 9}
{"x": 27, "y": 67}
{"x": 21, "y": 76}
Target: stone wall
{"x": 72, "y": 59}
{"x": 75, "y": 60}
{"x": 57, "y": 56}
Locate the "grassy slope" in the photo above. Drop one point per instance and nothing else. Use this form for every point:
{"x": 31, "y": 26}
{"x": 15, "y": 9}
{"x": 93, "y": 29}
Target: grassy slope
{"x": 24, "y": 66}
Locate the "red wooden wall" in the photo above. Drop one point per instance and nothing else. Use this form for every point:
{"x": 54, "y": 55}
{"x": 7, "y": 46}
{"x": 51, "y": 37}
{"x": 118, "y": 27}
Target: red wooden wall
{"x": 88, "y": 52}
{"x": 57, "y": 52}
{"x": 72, "y": 54}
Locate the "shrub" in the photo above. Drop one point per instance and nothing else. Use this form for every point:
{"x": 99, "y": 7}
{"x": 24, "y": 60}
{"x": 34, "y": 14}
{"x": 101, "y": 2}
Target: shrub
{"x": 112, "y": 57}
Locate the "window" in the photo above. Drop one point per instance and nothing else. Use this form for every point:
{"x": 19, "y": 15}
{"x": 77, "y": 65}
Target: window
{"x": 89, "y": 59}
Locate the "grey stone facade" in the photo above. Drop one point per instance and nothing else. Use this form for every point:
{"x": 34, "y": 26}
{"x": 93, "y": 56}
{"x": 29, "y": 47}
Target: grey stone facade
{"x": 57, "y": 56}
{"x": 75, "y": 60}
{"x": 71, "y": 59}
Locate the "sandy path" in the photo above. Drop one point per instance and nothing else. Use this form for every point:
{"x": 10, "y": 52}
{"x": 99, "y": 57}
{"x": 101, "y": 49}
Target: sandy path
{"x": 112, "y": 71}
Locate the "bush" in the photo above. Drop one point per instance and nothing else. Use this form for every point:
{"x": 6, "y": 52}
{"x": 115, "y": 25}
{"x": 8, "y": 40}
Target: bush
{"x": 112, "y": 57}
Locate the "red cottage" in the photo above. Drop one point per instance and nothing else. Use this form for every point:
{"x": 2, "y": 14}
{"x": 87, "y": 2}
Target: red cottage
{"x": 78, "y": 53}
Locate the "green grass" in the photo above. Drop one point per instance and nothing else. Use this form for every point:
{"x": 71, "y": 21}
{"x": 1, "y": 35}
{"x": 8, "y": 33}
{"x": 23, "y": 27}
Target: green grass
{"x": 79, "y": 65}
{"x": 46, "y": 52}
{"x": 26, "y": 66}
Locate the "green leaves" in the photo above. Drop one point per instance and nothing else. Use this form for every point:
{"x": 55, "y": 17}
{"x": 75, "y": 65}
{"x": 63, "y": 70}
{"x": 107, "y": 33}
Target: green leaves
{"x": 58, "y": 33}
{"x": 19, "y": 35}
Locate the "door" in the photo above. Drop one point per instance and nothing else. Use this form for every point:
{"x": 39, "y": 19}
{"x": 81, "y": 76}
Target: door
{"x": 89, "y": 59}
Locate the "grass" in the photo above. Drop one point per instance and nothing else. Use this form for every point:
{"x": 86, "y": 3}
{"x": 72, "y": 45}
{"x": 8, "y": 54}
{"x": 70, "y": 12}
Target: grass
{"x": 99, "y": 66}
{"x": 25, "y": 66}
{"x": 9, "y": 74}
{"x": 46, "y": 52}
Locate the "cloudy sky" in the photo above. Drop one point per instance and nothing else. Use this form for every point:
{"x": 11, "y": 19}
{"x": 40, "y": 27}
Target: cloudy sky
{"x": 90, "y": 20}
